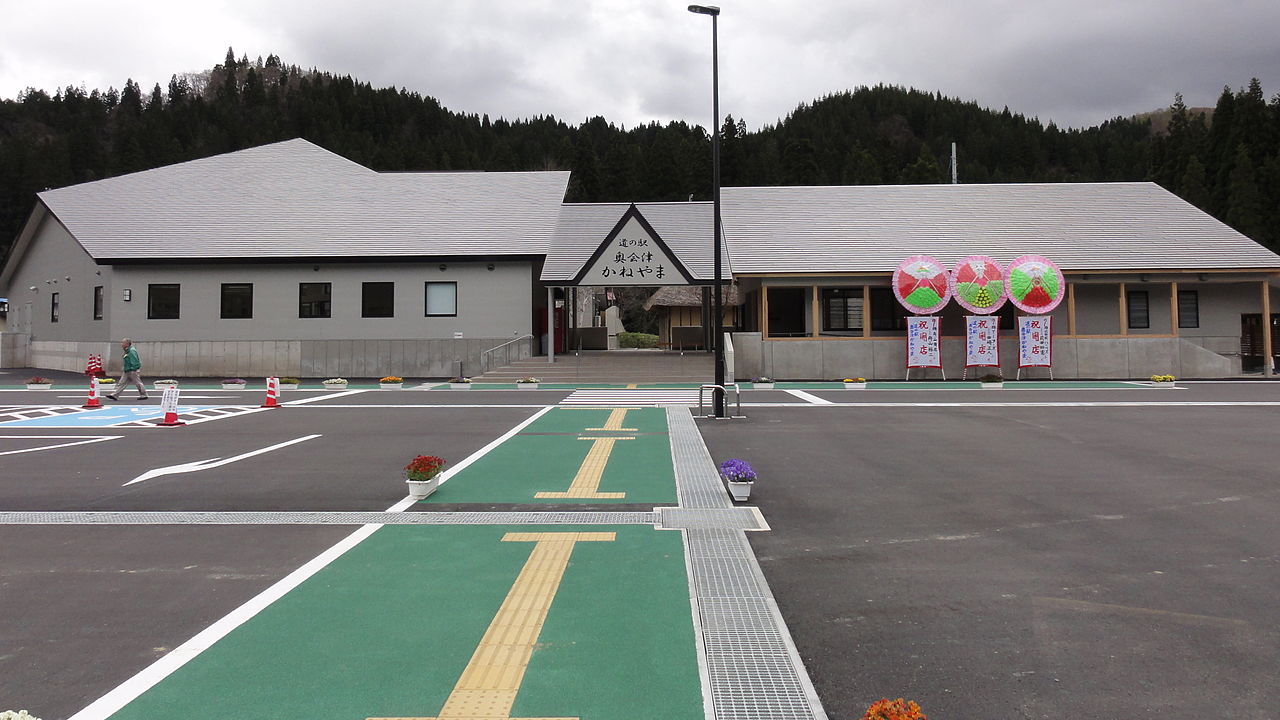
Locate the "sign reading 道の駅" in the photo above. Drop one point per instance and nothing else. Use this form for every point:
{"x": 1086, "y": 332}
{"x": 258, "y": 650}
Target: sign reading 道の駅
{"x": 633, "y": 254}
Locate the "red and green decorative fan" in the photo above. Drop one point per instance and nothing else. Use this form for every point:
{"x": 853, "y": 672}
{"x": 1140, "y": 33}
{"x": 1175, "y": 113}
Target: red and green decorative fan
{"x": 1035, "y": 284}
{"x": 922, "y": 285}
{"x": 978, "y": 284}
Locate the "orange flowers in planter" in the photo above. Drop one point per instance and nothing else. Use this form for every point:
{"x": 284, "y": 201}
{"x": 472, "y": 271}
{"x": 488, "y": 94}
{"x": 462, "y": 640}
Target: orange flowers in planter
{"x": 885, "y": 709}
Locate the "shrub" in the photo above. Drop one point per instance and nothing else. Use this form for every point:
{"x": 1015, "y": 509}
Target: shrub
{"x": 290, "y": 381}
{"x": 391, "y": 379}
{"x": 1162, "y": 378}
{"x": 637, "y": 340}
{"x": 991, "y": 378}
{"x": 885, "y": 709}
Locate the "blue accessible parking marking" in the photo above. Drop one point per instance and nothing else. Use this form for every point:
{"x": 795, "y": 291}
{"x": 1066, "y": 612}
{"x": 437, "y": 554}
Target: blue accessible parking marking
{"x": 113, "y": 416}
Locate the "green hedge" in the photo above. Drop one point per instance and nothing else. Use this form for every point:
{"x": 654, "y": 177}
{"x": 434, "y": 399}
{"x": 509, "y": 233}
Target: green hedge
{"x": 637, "y": 340}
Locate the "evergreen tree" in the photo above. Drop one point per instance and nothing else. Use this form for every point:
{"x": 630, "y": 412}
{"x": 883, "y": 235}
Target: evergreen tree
{"x": 1194, "y": 187}
{"x": 1245, "y": 212}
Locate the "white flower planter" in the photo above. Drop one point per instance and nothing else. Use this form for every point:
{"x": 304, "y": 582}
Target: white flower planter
{"x": 527, "y": 386}
{"x": 739, "y": 491}
{"x": 288, "y": 386}
{"x": 163, "y": 386}
{"x": 855, "y": 386}
{"x": 419, "y": 489}
{"x": 762, "y": 386}
{"x": 459, "y": 386}
{"x": 991, "y": 386}
{"x": 233, "y": 386}
{"x": 390, "y": 386}
{"x": 1159, "y": 384}
{"x": 334, "y": 386}
{"x": 39, "y": 386}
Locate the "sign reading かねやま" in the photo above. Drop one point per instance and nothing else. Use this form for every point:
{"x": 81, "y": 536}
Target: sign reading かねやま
{"x": 922, "y": 342}
{"x": 633, "y": 255}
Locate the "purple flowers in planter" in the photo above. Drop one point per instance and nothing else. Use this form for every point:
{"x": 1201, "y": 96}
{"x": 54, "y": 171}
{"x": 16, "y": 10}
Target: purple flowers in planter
{"x": 735, "y": 470}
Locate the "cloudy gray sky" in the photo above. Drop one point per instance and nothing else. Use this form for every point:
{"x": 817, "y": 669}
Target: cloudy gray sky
{"x": 1076, "y": 63}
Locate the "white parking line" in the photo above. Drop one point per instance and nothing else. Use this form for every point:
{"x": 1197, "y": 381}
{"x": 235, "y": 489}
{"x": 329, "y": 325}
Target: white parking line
{"x": 80, "y": 440}
{"x": 814, "y": 399}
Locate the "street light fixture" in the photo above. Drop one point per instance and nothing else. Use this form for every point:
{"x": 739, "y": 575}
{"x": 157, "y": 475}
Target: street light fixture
{"x": 717, "y": 306}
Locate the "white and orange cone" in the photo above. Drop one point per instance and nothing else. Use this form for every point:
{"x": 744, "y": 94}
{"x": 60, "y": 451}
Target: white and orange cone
{"x": 169, "y": 403}
{"x": 273, "y": 393}
{"x": 94, "y": 401}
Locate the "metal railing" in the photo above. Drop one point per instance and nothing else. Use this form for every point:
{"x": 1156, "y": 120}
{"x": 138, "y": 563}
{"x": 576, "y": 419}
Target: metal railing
{"x": 737, "y": 397}
{"x": 490, "y": 356}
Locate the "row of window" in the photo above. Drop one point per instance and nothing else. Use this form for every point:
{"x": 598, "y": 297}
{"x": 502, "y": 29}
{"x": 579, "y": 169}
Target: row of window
{"x": 843, "y": 311}
{"x": 377, "y": 300}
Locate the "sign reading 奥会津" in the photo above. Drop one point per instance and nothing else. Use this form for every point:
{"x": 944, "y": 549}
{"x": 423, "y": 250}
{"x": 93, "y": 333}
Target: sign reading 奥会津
{"x": 1035, "y": 341}
{"x": 922, "y": 342}
{"x": 982, "y": 341}
{"x": 633, "y": 255}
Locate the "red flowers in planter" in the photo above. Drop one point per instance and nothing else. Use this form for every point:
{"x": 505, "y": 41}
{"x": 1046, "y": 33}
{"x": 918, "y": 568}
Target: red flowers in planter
{"x": 424, "y": 467}
{"x": 899, "y": 709}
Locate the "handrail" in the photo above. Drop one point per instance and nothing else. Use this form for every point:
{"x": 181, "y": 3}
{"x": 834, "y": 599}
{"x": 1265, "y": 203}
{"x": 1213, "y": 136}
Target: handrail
{"x": 724, "y": 390}
{"x": 486, "y": 356}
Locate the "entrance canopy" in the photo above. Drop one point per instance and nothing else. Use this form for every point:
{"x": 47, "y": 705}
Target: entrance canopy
{"x": 648, "y": 244}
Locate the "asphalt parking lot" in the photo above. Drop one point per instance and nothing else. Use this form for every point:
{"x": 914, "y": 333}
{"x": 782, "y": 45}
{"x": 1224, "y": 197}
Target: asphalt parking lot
{"x": 1029, "y": 561}
{"x": 1030, "y": 552}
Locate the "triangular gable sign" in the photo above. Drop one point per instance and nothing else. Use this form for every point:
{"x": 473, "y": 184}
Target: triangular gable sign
{"x": 633, "y": 254}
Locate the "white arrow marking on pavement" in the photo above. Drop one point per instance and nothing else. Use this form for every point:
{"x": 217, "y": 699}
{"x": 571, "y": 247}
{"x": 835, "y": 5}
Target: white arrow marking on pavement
{"x": 213, "y": 462}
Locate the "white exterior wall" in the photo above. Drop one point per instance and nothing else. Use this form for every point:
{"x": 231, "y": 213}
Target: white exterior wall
{"x": 50, "y": 259}
{"x": 491, "y": 303}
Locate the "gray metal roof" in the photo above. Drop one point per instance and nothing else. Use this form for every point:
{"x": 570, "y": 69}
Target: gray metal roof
{"x": 295, "y": 199}
{"x": 1080, "y": 226}
{"x": 685, "y": 227}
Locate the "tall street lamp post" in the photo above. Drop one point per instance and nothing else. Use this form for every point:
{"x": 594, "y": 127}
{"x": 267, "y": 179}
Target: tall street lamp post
{"x": 717, "y": 305}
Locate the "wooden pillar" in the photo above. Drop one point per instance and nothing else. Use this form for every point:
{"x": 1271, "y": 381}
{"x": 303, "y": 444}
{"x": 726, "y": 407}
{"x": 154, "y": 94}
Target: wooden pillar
{"x": 815, "y": 312}
{"x": 1071, "y": 308}
{"x": 551, "y": 324}
{"x": 1268, "y": 356}
{"x": 866, "y": 311}
{"x": 1124, "y": 312}
{"x": 1173, "y": 309}
{"x": 764, "y": 311}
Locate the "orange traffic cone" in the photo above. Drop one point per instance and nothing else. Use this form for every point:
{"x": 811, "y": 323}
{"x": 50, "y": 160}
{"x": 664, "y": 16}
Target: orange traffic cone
{"x": 94, "y": 401}
{"x": 170, "y": 419}
{"x": 169, "y": 402}
{"x": 273, "y": 391}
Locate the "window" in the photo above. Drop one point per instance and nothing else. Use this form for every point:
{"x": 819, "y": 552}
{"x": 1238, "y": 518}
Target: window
{"x": 841, "y": 309}
{"x": 1139, "y": 309}
{"x": 237, "y": 300}
{"x": 53, "y": 307}
{"x": 442, "y": 299}
{"x": 886, "y": 313}
{"x": 97, "y": 302}
{"x": 1188, "y": 308}
{"x": 315, "y": 300}
{"x": 163, "y": 301}
{"x": 378, "y": 300}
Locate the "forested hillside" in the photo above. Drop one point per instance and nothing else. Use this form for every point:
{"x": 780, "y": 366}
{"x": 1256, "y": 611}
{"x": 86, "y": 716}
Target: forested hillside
{"x": 1230, "y": 166}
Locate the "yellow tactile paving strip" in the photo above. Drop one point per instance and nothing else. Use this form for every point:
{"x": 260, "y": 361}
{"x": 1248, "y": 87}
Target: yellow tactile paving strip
{"x": 614, "y": 422}
{"x": 487, "y": 688}
{"x": 586, "y": 484}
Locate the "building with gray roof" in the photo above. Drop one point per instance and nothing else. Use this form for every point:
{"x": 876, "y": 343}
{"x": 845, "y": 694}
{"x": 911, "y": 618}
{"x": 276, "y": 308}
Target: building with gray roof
{"x": 288, "y": 259}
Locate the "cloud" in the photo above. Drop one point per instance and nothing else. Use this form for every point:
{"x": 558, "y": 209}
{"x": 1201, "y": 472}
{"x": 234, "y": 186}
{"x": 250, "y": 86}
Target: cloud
{"x": 637, "y": 61}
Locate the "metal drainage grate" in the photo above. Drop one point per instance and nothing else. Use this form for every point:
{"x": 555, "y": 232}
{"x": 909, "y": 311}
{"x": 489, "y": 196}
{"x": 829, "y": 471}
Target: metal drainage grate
{"x": 697, "y": 481}
{"x": 679, "y": 518}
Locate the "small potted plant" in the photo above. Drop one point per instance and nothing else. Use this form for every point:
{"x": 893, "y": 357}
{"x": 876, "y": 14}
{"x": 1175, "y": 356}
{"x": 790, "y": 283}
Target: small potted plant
{"x": 106, "y": 384}
{"x": 391, "y": 382}
{"x": 233, "y": 384}
{"x": 855, "y": 383}
{"x": 164, "y": 384}
{"x": 528, "y": 383}
{"x": 991, "y": 381}
{"x": 422, "y": 475}
{"x": 739, "y": 476}
{"x": 289, "y": 383}
{"x": 762, "y": 383}
{"x": 460, "y": 383}
{"x": 335, "y": 384}
{"x": 39, "y": 383}
{"x": 1163, "y": 381}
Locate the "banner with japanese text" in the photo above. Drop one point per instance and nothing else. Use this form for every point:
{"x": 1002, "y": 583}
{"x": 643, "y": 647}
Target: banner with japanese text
{"x": 922, "y": 342}
{"x": 1035, "y": 341}
{"x": 982, "y": 341}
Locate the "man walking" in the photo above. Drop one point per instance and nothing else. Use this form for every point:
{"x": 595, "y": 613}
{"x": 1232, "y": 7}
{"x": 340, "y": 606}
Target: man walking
{"x": 131, "y": 367}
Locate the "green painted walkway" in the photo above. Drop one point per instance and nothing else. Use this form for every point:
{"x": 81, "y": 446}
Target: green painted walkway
{"x": 388, "y": 629}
